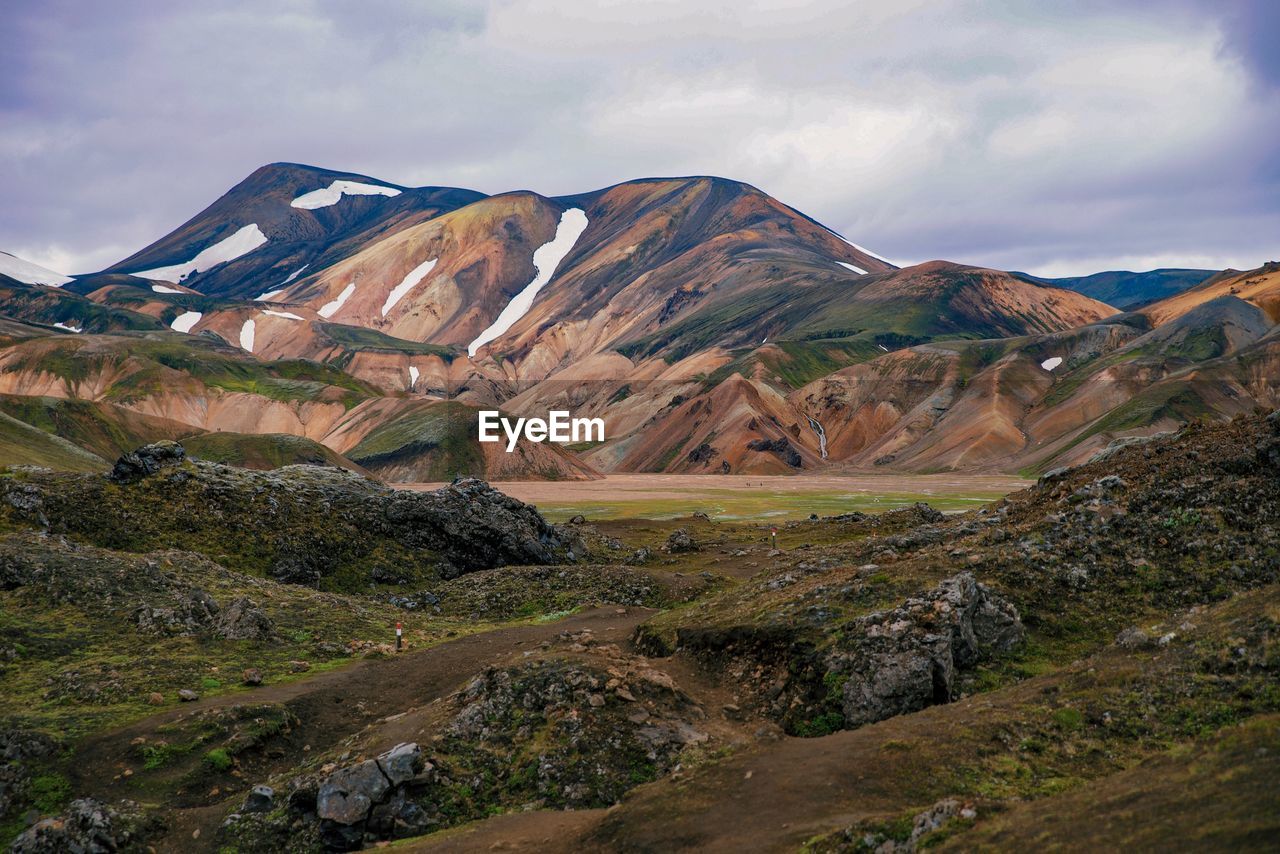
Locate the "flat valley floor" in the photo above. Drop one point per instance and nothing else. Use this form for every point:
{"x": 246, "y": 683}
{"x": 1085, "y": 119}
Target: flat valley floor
{"x": 744, "y": 498}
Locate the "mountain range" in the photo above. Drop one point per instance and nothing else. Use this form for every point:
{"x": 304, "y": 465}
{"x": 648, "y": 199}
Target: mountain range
{"x": 314, "y": 315}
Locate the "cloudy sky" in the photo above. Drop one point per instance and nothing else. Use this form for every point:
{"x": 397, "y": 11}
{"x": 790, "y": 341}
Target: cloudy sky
{"x": 1058, "y": 138}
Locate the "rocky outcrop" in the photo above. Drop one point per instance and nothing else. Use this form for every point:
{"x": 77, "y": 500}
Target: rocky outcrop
{"x": 681, "y": 542}
{"x": 780, "y": 447}
{"x": 87, "y": 826}
{"x": 148, "y": 460}
{"x": 299, "y": 524}
{"x": 244, "y": 620}
{"x": 18, "y": 747}
{"x": 900, "y": 661}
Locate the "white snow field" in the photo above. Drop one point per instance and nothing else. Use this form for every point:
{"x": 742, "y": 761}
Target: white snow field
{"x": 186, "y": 320}
{"x": 32, "y": 274}
{"x": 333, "y": 194}
{"x": 330, "y": 308}
{"x": 165, "y": 289}
{"x": 294, "y": 275}
{"x": 1050, "y": 364}
{"x": 241, "y": 243}
{"x": 289, "y": 315}
{"x": 268, "y": 296}
{"x": 545, "y": 260}
{"x": 849, "y": 266}
{"x": 69, "y": 327}
{"x": 413, "y": 376}
{"x": 246, "y": 335}
{"x": 417, "y": 274}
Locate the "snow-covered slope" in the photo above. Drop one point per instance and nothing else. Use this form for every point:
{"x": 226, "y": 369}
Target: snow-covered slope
{"x": 33, "y": 274}
{"x": 333, "y": 194}
{"x": 244, "y": 241}
{"x": 545, "y": 260}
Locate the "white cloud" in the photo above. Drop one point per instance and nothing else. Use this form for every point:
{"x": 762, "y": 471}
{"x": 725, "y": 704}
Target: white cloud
{"x": 1010, "y": 133}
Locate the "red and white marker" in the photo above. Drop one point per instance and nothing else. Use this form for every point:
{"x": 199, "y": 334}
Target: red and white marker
{"x": 399, "y": 636}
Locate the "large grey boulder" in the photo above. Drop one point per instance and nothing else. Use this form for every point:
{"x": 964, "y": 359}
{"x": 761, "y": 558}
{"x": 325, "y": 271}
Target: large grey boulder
{"x": 244, "y": 620}
{"x": 900, "y": 661}
{"x": 349, "y": 793}
{"x": 401, "y": 763}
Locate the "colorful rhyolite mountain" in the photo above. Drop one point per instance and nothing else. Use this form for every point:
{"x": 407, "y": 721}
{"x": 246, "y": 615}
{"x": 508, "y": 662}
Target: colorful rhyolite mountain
{"x": 714, "y": 328}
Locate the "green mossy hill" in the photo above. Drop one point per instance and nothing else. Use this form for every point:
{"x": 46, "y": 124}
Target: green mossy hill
{"x": 264, "y": 451}
{"x": 35, "y": 304}
{"x": 1172, "y": 523}
{"x": 100, "y": 428}
{"x": 140, "y": 365}
{"x": 23, "y": 444}
{"x": 301, "y": 524}
{"x": 87, "y": 634}
{"x": 435, "y": 440}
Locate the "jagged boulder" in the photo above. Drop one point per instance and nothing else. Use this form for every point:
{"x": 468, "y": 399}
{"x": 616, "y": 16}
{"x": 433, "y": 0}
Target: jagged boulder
{"x": 147, "y": 460}
{"x": 349, "y": 793}
{"x": 244, "y": 620}
{"x": 680, "y": 542}
{"x": 401, "y": 763}
{"x": 87, "y": 826}
{"x": 905, "y": 659}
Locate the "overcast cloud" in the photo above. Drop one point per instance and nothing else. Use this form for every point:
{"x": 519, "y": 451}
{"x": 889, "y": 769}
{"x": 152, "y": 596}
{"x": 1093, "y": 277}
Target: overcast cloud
{"x": 1058, "y": 138}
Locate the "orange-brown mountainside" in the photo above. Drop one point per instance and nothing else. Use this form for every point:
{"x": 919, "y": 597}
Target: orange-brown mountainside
{"x": 713, "y": 328}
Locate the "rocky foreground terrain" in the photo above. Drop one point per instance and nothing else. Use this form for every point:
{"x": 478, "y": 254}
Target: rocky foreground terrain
{"x": 203, "y": 658}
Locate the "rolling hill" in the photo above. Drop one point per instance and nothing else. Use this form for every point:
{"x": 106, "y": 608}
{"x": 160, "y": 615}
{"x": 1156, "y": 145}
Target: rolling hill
{"x": 715, "y": 330}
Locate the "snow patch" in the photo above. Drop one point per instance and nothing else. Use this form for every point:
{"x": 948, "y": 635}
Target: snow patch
{"x": 165, "y": 289}
{"x": 186, "y": 320}
{"x": 241, "y": 243}
{"x": 545, "y": 260}
{"x": 286, "y": 314}
{"x": 413, "y": 376}
{"x": 333, "y": 194}
{"x": 246, "y": 335}
{"x": 849, "y": 266}
{"x": 69, "y": 327}
{"x": 294, "y": 275}
{"x": 330, "y": 308}
{"x": 417, "y": 274}
{"x": 1050, "y": 364}
{"x": 268, "y": 296}
{"x": 32, "y": 274}
{"x": 882, "y": 347}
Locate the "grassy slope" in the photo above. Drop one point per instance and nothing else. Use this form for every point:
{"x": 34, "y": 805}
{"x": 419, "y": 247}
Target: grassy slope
{"x": 22, "y": 444}
{"x": 99, "y": 428}
{"x": 441, "y": 430}
{"x": 263, "y": 451}
{"x": 208, "y": 361}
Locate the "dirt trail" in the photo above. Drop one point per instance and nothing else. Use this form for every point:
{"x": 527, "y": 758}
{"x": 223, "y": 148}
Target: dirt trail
{"x": 330, "y": 707}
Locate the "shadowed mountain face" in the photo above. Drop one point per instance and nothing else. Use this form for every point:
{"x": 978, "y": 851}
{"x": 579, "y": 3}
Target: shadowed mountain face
{"x": 295, "y": 236}
{"x": 713, "y": 328}
{"x": 1125, "y": 289}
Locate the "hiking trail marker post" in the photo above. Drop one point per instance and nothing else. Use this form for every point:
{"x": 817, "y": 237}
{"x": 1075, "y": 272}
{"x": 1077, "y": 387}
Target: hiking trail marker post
{"x": 773, "y": 532}
{"x": 399, "y": 637}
